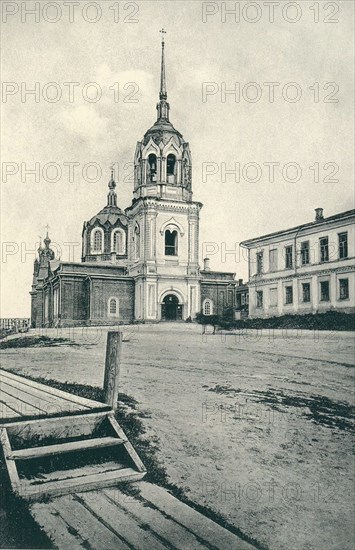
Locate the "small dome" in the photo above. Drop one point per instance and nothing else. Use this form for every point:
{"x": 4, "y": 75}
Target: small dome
{"x": 162, "y": 131}
{"x": 110, "y": 214}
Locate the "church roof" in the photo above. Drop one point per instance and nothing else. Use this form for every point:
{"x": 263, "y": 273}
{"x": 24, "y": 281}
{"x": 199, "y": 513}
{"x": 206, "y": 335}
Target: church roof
{"x": 109, "y": 214}
{"x": 161, "y": 131}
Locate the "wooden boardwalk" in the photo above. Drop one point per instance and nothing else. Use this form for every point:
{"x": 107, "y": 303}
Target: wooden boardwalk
{"x": 149, "y": 518}
{"x": 22, "y": 399}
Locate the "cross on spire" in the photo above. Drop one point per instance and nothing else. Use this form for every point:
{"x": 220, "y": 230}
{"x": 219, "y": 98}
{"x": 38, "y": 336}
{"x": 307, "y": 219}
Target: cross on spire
{"x": 112, "y": 197}
{"x": 47, "y": 228}
{"x": 162, "y": 32}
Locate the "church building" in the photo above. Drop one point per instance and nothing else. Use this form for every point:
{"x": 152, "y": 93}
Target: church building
{"x": 140, "y": 264}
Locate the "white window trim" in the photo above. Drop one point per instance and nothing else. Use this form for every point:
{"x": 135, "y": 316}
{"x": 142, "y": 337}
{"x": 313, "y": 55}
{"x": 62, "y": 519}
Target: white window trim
{"x": 122, "y": 250}
{"x": 206, "y": 301}
{"x": 117, "y": 314}
{"x": 92, "y": 241}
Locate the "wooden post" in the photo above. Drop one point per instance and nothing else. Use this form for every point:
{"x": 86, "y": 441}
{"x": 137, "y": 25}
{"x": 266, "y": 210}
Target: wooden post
{"x": 112, "y": 368}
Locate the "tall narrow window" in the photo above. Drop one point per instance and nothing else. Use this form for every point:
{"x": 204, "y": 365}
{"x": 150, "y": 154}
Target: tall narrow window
{"x": 324, "y": 291}
{"x": 152, "y": 168}
{"x": 305, "y": 253}
{"x": 171, "y": 243}
{"x": 288, "y": 257}
{"x": 113, "y": 307}
{"x": 273, "y": 259}
{"x": 137, "y": 242}
{"x": 343, "y": 289}
{"x": 259, "y": 298}
{"x": 324, "y": 249}
{"x": 208, "y": 307}
{"x": 97, "y": 241}
{"x": 259, "y": 262}
{"x": 118, "y": 242}
{"x": 289, "y": 294}
{"x": 170, "y": 168}
{"x": 273, "y": 297}
{"x": 306, "y": 292}
{"x": 343, "y": 245}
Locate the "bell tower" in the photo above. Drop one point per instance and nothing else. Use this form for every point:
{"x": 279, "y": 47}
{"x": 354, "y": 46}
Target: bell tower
{"x": 163, "y": 221}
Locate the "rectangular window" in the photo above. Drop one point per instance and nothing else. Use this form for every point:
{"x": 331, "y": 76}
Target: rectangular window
{"x": 288, "y": 257}
{"x": 324, "y": 291}
{"x": 324, "y": 249}
{"x": 273, "y": 297}
{"x": 289, "y": 294}
{"x": 305, "y": 253}
{"x": 243, "y": 299}
{"x": 259, "y": 298}
{"x": 343, "y": 245}
{"x": 343, "y": 289}
{"x": 273, "y": 260}
{"x": 259, "y": 263}
{"x": 306, "y": 292}
{"x": 230, "y": 297}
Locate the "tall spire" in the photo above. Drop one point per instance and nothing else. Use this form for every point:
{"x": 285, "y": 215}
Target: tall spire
{"x": 163, "y": 94}
{"x": 163, "y": 106}
{"x": 112, "y": 197}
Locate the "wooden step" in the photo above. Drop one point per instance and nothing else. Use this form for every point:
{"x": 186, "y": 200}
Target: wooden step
{"x": 84, "y": 444}
{"x": 93, "y": 436}
{"x": 81, "y": 479}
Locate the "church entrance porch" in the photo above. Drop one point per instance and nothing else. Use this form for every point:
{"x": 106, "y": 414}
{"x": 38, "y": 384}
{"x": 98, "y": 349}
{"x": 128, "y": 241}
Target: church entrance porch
{"x": 171, "y": 310}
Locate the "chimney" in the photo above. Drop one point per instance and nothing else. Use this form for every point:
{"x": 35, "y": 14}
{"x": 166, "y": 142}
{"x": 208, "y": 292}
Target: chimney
{"x": 206, "y": 264}
{"x": 319, "y": 214}
{"x": 240, "y": 282}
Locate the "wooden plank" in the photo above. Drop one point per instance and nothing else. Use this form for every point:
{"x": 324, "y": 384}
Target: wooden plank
{"x": 24, "y": 398}
{"x": 10, "y": 464}
{"x": 81, "y": 483}
{"x": 55, "y": 528}
{"x": 199, "y": 524}
{"x": 176, "y": 535}
{"x": 112, "y": 514}
{"x": 81, "y": 519}
{"x": 86, "y": 403}
{"x": 60, "y": 427}
{"x": 57, "y": 402}
{"x": 112, "y": 368}
{"x": 19, "y": 402}
{"x": 48, "y": 450}
{"x": 7, "y": 412}
{"x": 128, "y": 446}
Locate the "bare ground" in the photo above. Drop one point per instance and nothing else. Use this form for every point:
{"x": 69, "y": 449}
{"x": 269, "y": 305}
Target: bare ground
{"x": 256, "y": 426}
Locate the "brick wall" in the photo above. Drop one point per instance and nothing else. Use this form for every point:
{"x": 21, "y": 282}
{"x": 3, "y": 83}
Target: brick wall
{"x": 74, "y": 300}
{"x": 103, "y": 290}
{"x": 221, "y": 295}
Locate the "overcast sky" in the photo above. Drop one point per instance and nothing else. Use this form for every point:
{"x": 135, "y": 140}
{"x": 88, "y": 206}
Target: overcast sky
{"x": 310, "y": 132}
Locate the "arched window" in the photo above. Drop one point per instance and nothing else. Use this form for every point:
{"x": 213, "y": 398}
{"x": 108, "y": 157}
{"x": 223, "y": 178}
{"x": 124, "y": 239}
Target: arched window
{"x": 137, "y": 243}
{"x": 118, "y": 242}
{"x": 152, "y": 168}
{"x": 171, "y": 243}
{"x": 208, "y": 307}
{"x": 113, "y": 307}
{"x": 96, "y": 241}
{"x": 170, "y": 168}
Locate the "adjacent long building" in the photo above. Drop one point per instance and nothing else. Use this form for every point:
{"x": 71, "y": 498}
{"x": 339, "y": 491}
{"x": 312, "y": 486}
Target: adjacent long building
{"x": 305, "y": 269}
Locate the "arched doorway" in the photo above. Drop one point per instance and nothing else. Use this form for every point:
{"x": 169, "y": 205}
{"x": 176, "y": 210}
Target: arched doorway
{"x": 171, "y": 310}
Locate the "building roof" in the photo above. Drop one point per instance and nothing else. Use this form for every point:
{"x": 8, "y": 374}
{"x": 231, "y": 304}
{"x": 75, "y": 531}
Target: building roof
{"x": 348, "y": 214}
{"x": 109, "y": 214}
